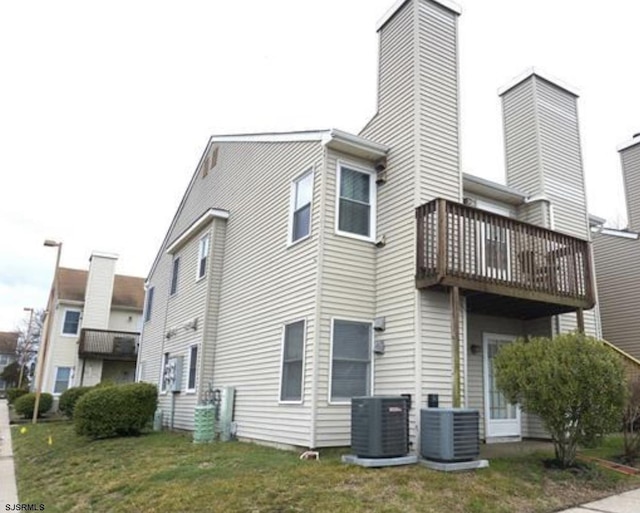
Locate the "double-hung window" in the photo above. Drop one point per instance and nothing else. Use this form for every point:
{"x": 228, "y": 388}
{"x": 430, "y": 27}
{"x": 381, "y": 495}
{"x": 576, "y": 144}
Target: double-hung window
{"x": 301, "y": 196}
{"x": 351, "y": 360}
{"x": 292, "y": 362}
{"x": 356, "y": 202}
{"x": 71, "y": 322}
{"x": 203, "y": 253}
{"x": 149, "y": 305}
{"x": 174, "y": 276}
{"x": 193, "y": 368}
{"x": 63, "y": 378}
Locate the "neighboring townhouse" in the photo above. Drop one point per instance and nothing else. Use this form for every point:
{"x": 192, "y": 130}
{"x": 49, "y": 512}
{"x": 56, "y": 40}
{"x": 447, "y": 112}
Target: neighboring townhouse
{"x": 307, "y": 268}
{"x": 94, "y": 335}
{"x": 617, "y": 261}
{"x": 8, "y": 348}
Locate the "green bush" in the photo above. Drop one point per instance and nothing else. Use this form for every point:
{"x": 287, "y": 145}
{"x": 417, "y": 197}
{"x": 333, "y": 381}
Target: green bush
{"x": 69, "y": 398}
{"x": 574, "y": 383}
{"x": 14, "y": 393}
{"x": 123, "y": 410}
{"x": 25, "y": 404}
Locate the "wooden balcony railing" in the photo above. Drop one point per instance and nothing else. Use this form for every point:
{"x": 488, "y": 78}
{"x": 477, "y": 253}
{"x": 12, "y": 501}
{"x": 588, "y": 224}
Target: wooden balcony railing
{"x": 459, "y": 245}
{"x": 113, "y": 345}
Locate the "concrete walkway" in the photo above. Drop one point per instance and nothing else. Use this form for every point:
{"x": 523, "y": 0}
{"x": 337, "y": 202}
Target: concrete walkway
{"x": 8, "y": 487}
{"x": 628, "y": 502}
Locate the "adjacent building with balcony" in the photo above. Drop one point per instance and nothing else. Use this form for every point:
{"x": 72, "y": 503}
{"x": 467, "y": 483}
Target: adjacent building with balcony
{"x": 307, "y": 268}
{"x": 617, "y": 260}
{"x": 95, "y": 326}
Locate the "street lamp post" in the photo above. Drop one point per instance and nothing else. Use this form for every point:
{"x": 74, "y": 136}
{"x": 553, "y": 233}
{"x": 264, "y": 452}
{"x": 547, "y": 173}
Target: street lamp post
{"x": 27, "y": 344}
{"x": 45, "y": 341}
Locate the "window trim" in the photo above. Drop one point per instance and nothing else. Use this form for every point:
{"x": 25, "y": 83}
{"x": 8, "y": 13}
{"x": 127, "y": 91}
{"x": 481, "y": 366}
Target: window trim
{"x": 292, "y": 203}
{"x": 201, "y": 239}
{"x": 372, "y": 200}
{"x": 304, "y": 356}
{"x": 55, "y": 379}
{"x": 64, "y": 317}
{"x": 148, "y": 304}
{"x": 371, "y": 358}
{"x": 173, "y": 285}
{"x": 195, "y": 378}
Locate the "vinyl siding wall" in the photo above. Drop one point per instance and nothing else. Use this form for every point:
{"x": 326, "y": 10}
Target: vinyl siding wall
{"x": 97, "y": 307}
{"x": 264, "y": 284}
{"x": 630, "y": 159}
{"x": 418, "y": 118}
{"x": 618, "y": 278}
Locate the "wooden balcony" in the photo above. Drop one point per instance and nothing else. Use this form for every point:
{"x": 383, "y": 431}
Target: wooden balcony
{"x": 108, "y": 345}
{"x": 503, "y": 266}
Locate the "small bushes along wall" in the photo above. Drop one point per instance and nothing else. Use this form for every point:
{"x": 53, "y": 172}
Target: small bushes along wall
{"x": 14, "y": 393}
{"x": 69, "y": 398}
{"x": 122, "y": 410}
{"x": 25, "y": 404}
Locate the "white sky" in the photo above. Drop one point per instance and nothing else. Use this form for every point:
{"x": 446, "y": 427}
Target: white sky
{"x": 105, "y": 107}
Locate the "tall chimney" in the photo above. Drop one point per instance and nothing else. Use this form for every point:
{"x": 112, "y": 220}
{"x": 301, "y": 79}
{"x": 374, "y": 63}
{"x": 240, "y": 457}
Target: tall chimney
{"x": 542, "y": 147}
{"x": 99, "y": 291}
{"x": 630, "y": 160}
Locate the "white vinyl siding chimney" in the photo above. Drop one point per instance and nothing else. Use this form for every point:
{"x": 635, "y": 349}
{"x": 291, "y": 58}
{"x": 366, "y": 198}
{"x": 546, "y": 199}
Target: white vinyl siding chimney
{"x": 630, "y": 159}
{"x": 99, "y": 291}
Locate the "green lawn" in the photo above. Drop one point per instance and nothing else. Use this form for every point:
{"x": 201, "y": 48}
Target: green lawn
{"x": 166, "y": 472}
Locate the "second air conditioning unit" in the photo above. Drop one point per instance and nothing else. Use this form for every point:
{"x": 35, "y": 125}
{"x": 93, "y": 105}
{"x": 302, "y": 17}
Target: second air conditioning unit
{"x": 449, "y": 434}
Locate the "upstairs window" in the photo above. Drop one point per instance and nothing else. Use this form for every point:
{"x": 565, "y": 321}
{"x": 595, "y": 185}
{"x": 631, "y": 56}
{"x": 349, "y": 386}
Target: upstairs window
{"x": 149, "y": 305}
{"x": 174, "y": 276}
{"x": 203, "y": 253}
{"x": 71, "y": 322}
{"x": 356, "y": 202}
{"x": 301, "y": 196}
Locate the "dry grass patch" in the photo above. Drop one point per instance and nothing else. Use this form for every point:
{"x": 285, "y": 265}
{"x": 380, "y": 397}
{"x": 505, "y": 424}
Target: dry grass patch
{"x": 166, "y": 472}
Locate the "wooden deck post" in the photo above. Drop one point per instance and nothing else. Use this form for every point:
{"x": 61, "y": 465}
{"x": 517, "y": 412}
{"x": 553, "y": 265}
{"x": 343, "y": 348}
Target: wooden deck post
{"x": 580, "y": 317}
{"x": 454, "y": 295}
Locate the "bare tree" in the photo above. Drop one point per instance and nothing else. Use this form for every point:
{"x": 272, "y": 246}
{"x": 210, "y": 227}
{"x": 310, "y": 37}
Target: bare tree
{"x": 30, "y": 333}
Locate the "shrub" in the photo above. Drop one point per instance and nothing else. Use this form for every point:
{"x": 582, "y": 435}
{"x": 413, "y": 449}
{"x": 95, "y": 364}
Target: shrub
{"x": 69, "y": 398}
{"x": 632, "y": 422}
{"x": 574, "y": 383}
{"x": 25, "y": 404}
{"x": 123, "y": 410}
{"x": 14, "y": 393}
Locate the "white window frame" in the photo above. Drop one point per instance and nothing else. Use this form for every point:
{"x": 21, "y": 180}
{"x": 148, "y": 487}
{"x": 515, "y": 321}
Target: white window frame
{"x": 55, "y": 379}
{"x": 4, "y": 359}
{"x": 64, "y": 317}
{"x": 148, "y": 304}
{"x": 304, "y": 355}
{"x": 195, "y": 378}
{"x": 292, "y": 205}
{"x": 371, "y": 358}
{"x": 372, "y": 198}
{"x": 163, "y": 363}
{"x": 203, "y": 242}
{"x": 174, "y": 276}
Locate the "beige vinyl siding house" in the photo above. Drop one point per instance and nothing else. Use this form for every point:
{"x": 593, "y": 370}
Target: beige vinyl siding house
{"x": 617, "y": 258}
{"x": 95, "y": 326}
{"x": 316, "y": 237}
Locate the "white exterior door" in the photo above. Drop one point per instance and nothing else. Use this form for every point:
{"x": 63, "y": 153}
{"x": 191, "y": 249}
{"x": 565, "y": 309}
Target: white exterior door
{"x": 502, "y": 419}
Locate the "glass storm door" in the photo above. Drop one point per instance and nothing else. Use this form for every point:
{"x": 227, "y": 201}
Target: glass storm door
{"x": 502, "y": 419}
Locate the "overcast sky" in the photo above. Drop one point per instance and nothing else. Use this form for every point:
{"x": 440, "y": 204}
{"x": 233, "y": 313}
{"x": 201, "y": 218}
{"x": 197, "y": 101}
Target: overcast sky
{"x": 105, "y": 107}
